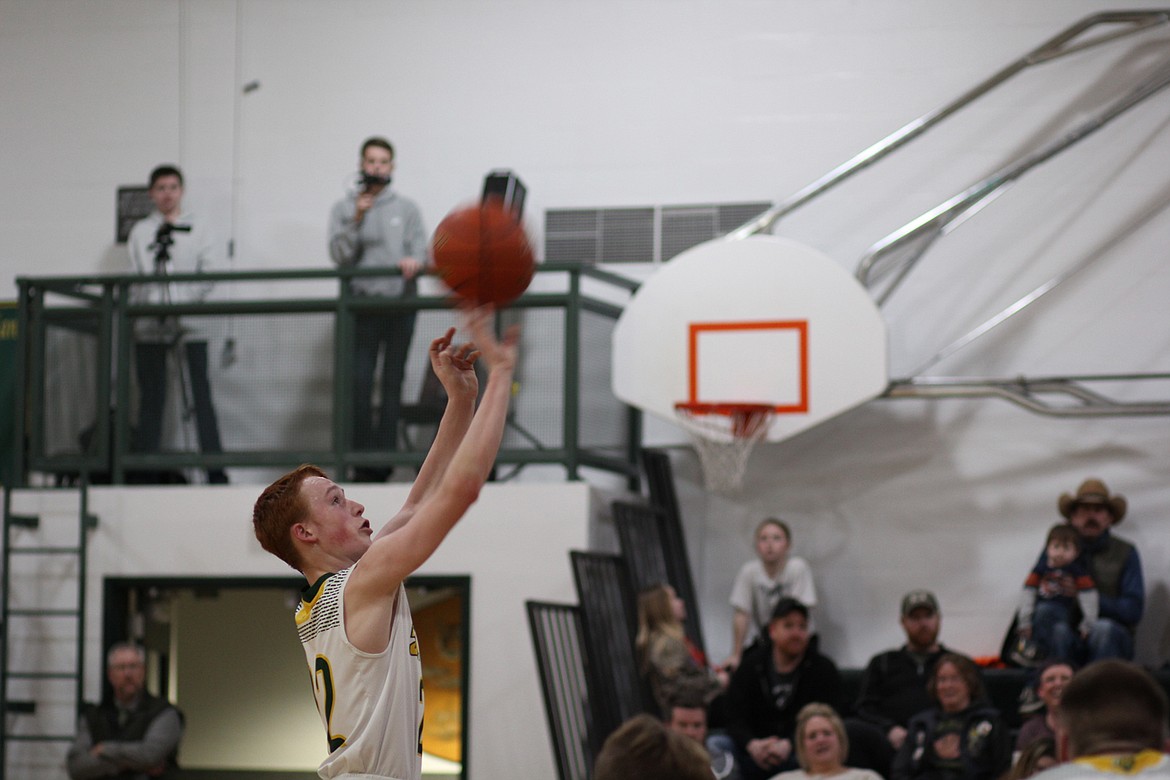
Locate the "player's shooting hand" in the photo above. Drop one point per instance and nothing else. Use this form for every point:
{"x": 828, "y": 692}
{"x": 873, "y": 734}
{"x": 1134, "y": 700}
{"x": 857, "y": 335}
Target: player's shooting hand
{"x": 500, "y": 355}
{"x": 454, "y": 366}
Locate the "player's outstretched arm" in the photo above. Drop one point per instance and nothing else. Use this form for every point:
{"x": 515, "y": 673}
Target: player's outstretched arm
{"x": 454, "y": 366}
{"x": 393, "y": 557}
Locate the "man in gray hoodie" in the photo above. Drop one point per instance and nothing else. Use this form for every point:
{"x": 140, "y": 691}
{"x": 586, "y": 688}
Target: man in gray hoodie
{"x": 375, "y": 227}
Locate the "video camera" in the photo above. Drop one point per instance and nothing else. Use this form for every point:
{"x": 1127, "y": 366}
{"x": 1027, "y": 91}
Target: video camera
{"x": 369, "y": 181}
{"x": 163, "y": 240}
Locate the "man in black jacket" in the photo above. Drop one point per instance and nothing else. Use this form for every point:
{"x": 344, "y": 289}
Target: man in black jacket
{"x": 133, "y": 737}
{"x": 773, "y": 681}
{"x": 893, "y": 688}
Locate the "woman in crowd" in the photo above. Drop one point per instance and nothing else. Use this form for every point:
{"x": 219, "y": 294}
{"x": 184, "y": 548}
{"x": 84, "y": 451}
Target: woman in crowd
{"x": 667, "y": 657}
{"x": 961, "y": 737}
{"x": 1050, "y": 682}
{"x": 821, "y": 747}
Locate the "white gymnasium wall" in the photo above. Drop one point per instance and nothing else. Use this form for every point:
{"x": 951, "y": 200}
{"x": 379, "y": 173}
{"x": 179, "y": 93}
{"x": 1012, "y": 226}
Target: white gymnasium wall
{"x": 509, "y": 544}
{"x": 594, "y": 104}
{"x": 611, "y": 103}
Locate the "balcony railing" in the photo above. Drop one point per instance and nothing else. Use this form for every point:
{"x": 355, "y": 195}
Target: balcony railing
{"x": 281, "y": 372}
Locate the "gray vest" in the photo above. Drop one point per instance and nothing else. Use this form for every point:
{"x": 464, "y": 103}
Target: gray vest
{"x": 1106, "y": 564}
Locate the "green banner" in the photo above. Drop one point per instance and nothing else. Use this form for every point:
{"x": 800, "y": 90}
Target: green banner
{"x": 8, "y": 346}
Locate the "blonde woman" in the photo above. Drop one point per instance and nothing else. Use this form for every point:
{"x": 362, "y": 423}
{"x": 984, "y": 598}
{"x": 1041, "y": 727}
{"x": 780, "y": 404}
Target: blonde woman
{"x": 666, "y": 657}
{"x": 821, "y": 747}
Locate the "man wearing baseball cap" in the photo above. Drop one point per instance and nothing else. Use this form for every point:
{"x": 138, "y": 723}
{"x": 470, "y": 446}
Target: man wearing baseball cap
{"x": 1115, "y": 565}
{"x": 893, "y": 688}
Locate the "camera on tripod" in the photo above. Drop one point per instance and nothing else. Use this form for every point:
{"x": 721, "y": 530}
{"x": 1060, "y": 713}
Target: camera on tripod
{"x": 163, "y": 239}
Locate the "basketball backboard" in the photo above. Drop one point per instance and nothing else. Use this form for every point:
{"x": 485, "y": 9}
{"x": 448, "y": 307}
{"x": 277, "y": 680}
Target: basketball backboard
{"x": 759, "y": 320}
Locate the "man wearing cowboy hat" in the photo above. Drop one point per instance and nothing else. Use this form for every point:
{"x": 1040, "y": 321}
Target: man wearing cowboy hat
{"x": 1115, "y": 565}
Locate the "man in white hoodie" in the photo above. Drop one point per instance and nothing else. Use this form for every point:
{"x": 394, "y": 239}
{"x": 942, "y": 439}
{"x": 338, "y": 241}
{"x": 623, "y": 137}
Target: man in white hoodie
{"x": 171, "y": 241}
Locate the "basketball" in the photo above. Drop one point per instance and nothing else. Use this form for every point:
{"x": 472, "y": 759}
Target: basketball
{"x": 482, "y": 254}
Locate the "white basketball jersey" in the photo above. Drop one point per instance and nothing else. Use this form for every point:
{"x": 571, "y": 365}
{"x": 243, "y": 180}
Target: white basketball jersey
{"x": 371, "y": 703}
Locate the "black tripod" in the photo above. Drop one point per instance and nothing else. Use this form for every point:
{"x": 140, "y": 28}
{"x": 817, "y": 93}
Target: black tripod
{"x": 172, "y": 356}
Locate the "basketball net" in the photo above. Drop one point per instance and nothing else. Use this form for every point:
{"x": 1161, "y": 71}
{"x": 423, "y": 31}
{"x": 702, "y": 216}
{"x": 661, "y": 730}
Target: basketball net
{"x": 724, "y": 435}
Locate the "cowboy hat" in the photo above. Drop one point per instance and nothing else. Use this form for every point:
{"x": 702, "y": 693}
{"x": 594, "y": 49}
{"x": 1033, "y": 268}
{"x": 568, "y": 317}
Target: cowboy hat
{"x": 1093, "y": 491}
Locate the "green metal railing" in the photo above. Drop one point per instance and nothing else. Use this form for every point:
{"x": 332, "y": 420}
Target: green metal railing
{"x": 94, "y": 316}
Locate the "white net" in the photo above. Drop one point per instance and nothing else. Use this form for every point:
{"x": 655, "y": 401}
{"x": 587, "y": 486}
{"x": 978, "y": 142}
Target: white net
{"x": 724, "y": 435}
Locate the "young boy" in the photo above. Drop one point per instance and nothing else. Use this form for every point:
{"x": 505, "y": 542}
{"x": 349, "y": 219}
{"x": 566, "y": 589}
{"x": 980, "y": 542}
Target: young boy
{"x": 354, "y": 620}
{"x": 760, "y": 584}
{"x": 1052, "y": 592}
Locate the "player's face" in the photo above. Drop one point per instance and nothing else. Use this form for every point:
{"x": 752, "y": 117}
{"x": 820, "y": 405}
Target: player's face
{"x": 127, "y": 674}
{"x": 921, "y": 627}
{"x": 690, "y": 722}
{"x": 789, "y": 634}
{"x": 1050, "y": 686}
{"x": 771, "y": 543}
{"x": 376, "y": 161}
{"x": 951, "y": 689}
{"x": 1061, "y": 554}
{"x": 822, "y": 746}
{"x": 166, "y": 194}
{"x": 1091, "y": 520}
{"x": 338, "y": 521}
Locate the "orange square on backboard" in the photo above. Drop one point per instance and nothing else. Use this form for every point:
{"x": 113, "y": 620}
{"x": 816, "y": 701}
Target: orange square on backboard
{"x": 726, "y": 357}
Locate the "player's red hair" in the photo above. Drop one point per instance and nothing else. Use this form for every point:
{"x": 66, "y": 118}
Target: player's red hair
{"x": 278, "y": 509}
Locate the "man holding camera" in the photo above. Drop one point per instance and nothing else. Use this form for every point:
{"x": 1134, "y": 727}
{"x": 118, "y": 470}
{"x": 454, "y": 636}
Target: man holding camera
{"x": 375, "y": 227}
{"x": 168, "y": 242}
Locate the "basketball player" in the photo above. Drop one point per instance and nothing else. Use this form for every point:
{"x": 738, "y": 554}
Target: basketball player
{"x": 354, "y": 620}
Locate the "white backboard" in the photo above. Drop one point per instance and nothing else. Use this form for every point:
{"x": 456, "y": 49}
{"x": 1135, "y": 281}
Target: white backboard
{"x": 761, "y": 320}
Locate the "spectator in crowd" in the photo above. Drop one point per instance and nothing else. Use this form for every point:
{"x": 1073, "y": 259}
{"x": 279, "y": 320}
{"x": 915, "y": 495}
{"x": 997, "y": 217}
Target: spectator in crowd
{"x": 1114, "y": 565}
{"x": 960, "y": 737}
{"x": 1112, "y": 724}
{"x": 1051, "y": 679}
{"x": 893, "y": 687}
{"x": 687, "y": 715}
{"x": 166, "y": 242}
{"x": 1057, "y": 591}
{"x": 375, "y": 227}
{"x": 1038, "y": 756}
{"x": 822, "y": 746}
{"x": 133, "y": 737}
{"x": 668, "y": 658}
{"x": 761, "y": 583}
{"x": 645, "y": 749}
{"x": 769, "y": 688}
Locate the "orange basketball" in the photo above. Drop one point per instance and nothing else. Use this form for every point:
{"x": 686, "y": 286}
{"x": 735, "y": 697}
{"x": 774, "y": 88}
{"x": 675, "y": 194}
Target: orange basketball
{"x": 482, "y": 253}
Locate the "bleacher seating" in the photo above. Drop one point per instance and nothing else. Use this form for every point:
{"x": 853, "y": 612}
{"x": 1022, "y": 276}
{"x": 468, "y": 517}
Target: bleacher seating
{"x": 556, "y": 638}
{"x": 608, "y": 627}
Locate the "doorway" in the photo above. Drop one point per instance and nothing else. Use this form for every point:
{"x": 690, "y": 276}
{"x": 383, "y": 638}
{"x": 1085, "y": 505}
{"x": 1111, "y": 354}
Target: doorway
{"x": 224, "y": 651}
